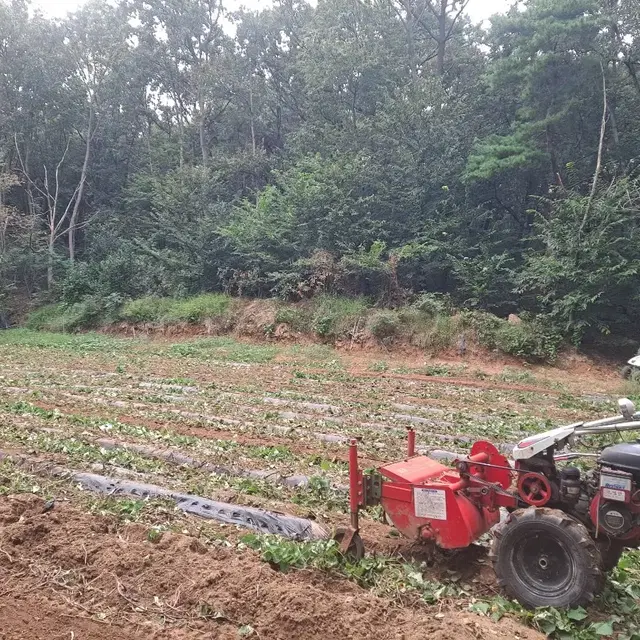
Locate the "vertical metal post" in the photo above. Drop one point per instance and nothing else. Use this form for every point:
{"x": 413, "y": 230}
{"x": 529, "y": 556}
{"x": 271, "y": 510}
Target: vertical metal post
{"x": 355, "y": 488}
{"x": 411, "y": 444}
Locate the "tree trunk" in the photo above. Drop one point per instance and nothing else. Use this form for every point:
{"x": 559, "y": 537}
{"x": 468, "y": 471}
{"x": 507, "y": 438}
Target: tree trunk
{"x": 50, "y": 258}
{"x": 73, "y": 222}
{"x": 410, "y": 27}
{"x": 253, "y": 128}
{"x": 442, "y": 36}
{"x": 555, "y": 167}
{"x": 203, "y": 146}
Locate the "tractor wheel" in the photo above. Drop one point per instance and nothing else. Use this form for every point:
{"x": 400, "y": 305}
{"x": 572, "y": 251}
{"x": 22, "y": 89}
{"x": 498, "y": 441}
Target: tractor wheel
{"x": 610, "y": 552}
{"x": 356, "y": 547}
{"x": 545, "y": 558}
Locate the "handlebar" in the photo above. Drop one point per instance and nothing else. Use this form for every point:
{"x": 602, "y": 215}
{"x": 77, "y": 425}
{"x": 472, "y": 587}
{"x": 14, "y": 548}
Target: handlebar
{"x": 612, "y": 427}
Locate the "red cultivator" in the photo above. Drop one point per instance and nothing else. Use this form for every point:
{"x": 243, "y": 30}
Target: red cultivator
{"x": 565, "y": 528}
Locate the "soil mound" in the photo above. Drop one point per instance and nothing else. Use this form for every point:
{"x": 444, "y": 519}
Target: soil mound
{"x": 70, "y": 574}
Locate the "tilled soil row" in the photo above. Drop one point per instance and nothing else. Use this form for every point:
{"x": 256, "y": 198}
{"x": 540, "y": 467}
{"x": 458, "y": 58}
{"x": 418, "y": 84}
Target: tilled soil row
{"x": 258, "y": 520}
{"x": 367, "y": 387}
{"x": 297, "y": 426}
{"x": 71, "y": 575}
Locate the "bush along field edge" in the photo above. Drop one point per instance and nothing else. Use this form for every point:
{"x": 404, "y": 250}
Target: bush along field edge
{"x": 429, "y": 323}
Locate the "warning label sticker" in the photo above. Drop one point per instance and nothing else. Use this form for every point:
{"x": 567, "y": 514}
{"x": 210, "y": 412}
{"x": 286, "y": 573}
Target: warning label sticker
{"x": 614, "y": 494}
{"x": 430, "y": 503}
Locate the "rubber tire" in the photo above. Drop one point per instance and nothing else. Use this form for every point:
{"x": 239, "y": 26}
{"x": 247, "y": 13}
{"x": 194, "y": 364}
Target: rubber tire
{"x": 355, "y": 551}
{"x": 570, "y": 536}
{"x": 610, "y": 552}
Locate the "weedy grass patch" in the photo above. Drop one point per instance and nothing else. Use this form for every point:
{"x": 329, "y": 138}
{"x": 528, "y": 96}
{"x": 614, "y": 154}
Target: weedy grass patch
{"x": 73, "y": 343}
{"x": 386, "y": 576}
{"x": 223, "y": 349}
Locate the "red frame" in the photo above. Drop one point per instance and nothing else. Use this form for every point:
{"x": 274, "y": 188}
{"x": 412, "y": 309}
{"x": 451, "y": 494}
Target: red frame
{"x": 467, "y": 500}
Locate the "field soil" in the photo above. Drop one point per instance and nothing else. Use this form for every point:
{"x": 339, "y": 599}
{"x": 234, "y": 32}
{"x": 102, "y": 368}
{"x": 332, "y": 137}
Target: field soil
{"x": 76, "y": 565}
{"x": 69, "y": 574}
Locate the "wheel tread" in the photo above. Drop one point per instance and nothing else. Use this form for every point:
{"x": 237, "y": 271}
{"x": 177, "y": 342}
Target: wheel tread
{"x": 592, "y": 571}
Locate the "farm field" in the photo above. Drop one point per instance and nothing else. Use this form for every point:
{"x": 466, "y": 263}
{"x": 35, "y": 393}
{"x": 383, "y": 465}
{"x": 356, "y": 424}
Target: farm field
{"x": 266, "y": 426}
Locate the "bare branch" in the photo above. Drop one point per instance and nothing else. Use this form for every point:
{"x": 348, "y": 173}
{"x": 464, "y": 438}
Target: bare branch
{"x": 432, "y": 8}
{"x": 67, "y": 209}
{"x": 23, "y": 169}
{"x": 455, "y": 20}
{"x": 57, "y": 192}
{"x": 603, "y": 130}
{"x": 431, "y": 56}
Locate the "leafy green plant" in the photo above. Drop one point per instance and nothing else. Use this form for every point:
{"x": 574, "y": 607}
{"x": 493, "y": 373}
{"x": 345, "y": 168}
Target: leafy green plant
{"x": 510, "y": 374}
{"x": 615, "y": 613}
{"x": 438, "y": 370}
{"x": 432, "y": 304}
{"x": 149, "y": 309}
{"x": 320, "y": 493}
{"x": 385, "y": 575}
{"x": 334, "y": 316}
{"x": 384, "y": 325}
{"x": 221, "y": 348}
{"x": 196, "y": 310}
{"x": 83, "y": 343}
{"x": 154, "y": 534}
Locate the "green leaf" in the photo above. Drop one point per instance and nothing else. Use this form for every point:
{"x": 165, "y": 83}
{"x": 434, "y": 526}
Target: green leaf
{"x": 603, "y": 628}
{"x": 577, "y": 614}
{"x": 480, "y": 607}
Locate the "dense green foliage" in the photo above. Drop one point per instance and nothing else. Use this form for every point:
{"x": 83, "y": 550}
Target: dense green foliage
{"x": 377, "y": 148}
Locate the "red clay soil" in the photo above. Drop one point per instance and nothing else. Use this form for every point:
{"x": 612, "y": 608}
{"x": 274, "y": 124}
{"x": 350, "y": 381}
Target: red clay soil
{"x": 67, "y": 574}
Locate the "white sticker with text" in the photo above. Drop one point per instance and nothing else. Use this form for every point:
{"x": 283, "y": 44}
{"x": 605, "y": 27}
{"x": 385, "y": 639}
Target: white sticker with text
{"x": 430, "y": 503}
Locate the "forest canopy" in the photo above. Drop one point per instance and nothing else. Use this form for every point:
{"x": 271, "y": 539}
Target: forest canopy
{"x": 379, "y": 148}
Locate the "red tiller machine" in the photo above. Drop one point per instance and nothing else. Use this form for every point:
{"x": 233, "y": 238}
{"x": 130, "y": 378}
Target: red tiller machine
{"x": 428, "y": 501}
{"x": 565, "y": 528}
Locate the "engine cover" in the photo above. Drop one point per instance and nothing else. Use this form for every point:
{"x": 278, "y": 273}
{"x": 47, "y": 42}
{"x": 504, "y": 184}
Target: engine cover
{"x": 625, "y": 456}
{"x": 614, "y": 518}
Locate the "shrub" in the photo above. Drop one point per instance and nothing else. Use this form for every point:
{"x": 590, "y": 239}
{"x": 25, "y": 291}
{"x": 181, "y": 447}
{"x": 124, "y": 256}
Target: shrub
{"x": 299, "y": 319}
{"x": 65, "y": 318}
{"x": 486, "y": 327}
{"x": 432, "y": 332}
{"x": 88, "y": 313}
{"x": 384, "y": 325}
{"x": 433, "y": 304}
{"x": 531, "y": 340}
{"x": 45, "y": 318}
{"x": 445, "y": 332}
{"x": 198, "y": 309}
{"x": 307, "y": 277}
{"x": 82, "y": 315}
{"x": 149, "y": 309}
{"x": 334, "y": 316}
